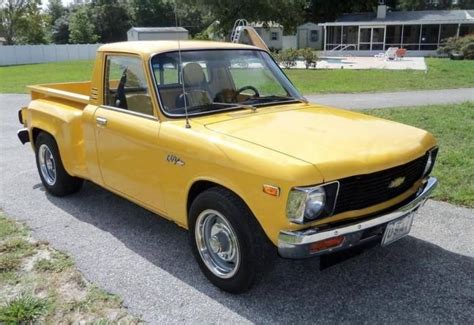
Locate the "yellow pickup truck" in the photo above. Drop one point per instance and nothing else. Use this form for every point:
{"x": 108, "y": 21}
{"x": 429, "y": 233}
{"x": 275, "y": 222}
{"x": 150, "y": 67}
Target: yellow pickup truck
{"x": 216, "y": 138}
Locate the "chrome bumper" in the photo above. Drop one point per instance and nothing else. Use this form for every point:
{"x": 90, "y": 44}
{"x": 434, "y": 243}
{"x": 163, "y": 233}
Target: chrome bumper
{"x": 297, "y": 244}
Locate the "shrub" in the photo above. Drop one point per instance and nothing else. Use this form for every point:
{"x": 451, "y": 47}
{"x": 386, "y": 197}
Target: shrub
{"x": 309, "y": 56}
{"x": 463, "y": 44}
{"x": 203, "y": 36}
{"x": 288, "y": 58}
{"x": 468, "y": 50}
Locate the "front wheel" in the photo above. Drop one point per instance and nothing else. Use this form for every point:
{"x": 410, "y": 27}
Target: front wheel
{"x": 50, "y": 167}
{"x": 227, "y": 241}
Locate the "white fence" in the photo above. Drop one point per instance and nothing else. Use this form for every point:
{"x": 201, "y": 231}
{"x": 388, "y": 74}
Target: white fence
{"x": 25, "y": 54}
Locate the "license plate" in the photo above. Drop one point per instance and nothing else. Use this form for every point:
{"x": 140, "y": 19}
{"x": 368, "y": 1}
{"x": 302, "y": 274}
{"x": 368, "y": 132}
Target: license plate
{"x": 397, "y": 229}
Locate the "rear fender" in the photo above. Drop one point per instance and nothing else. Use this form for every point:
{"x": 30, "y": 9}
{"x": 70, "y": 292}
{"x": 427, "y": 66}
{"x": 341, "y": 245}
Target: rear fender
{"x": 62, "y": 122}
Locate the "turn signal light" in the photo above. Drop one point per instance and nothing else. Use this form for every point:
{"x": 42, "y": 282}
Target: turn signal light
{"x": 271, "y": 190}
{"x": 326, "y": 244}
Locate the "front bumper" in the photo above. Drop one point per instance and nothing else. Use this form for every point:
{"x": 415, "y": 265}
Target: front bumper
{"x": 298, "y": 244}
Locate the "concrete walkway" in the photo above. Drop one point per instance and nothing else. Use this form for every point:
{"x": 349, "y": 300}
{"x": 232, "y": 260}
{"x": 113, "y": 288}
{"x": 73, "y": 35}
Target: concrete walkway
{"x": 394, "y": 99}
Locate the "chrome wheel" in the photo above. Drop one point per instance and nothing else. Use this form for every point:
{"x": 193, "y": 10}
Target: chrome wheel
{"x": 47, "y": 164}
{"x": 217, "y": 244}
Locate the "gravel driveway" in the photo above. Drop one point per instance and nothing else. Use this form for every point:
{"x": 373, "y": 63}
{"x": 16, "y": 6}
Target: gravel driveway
{"x": 426, "y": 277}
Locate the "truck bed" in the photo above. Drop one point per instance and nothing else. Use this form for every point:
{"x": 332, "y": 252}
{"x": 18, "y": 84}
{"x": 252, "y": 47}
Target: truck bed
{"x": 78, "y": 92}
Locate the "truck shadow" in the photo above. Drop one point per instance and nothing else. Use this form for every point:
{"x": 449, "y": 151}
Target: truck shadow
{"x": 411, "y": 281}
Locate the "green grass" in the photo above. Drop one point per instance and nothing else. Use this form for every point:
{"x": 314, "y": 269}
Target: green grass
{"x": 14, "y": 79}
{"x": 453, "y": 126}
{"x": 441, "y": 74}
{"x": 40, "y": 285}
{"x": 23, "y": 310}
{"x": 58, "y": 263}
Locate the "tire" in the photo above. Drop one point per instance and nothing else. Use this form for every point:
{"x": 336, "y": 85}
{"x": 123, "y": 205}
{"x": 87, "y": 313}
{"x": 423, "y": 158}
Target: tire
{"x": 54, "y": 177}
{"x": 218, "y": 211}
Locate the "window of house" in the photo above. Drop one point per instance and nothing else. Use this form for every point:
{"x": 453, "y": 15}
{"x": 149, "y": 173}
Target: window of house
{"x": 274, "y": 36}
{"x": 411, "y": 37}
{"x": 448, "y": 30}
{"x": 429, "y": 37}
{"x": 126, "y": 85}
{"x": 314, "y": 36}
{"x": 466, "y": 29}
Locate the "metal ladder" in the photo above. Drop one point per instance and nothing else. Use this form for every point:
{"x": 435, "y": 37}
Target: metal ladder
{"x": 343, "y": 47}
{"x": 237, "y": 30}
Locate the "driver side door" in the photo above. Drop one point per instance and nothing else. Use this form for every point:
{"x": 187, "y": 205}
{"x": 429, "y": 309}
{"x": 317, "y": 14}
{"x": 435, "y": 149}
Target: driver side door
{"x": 127, "y": 132}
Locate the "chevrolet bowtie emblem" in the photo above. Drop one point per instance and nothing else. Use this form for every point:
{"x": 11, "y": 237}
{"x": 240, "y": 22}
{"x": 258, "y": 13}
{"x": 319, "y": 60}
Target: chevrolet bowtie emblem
{"x": 396, "y": 182}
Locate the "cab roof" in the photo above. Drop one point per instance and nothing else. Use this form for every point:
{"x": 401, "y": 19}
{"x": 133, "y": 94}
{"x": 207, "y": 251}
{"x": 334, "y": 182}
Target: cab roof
{"x": 148, "y": 48}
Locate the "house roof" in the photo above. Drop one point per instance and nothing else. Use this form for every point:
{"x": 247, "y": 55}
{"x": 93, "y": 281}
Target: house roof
{"x": 403, "y": 17}
{"x": 158, "y": 29}
{"x": 307, "y": 25}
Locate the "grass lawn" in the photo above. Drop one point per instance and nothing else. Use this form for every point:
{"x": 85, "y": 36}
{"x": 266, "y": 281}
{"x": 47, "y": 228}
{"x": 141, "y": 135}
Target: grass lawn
{"x": 453, "y": 126}
{"x": 14, "y": 79}
{"x": 39, "y": 285}
{"x": 442, "y": 73}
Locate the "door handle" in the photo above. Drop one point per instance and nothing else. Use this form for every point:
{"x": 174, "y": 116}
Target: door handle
{"x": 101, "y": 121}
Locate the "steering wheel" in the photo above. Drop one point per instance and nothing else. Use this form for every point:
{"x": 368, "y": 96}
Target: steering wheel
{"x": 237, "y": 93}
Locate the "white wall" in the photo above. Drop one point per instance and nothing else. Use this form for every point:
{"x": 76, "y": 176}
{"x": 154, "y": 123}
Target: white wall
{"x": 171, "y": 36}
{"x": 25, "y": 54}
{"x": 265, "y": 34}
{"x": 289, "y": 42}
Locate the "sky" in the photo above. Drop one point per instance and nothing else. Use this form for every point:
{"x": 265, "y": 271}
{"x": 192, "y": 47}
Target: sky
{"x": 44, "y": 3}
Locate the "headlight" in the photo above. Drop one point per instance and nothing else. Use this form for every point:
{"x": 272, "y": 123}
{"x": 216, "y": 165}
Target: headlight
{"x": 308, "y": 203}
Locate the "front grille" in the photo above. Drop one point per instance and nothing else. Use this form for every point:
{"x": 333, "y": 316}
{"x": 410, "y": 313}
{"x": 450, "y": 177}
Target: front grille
{"x": 363, "y": 191}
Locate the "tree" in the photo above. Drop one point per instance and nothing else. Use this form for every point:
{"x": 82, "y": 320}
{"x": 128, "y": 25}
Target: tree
{"x": 160, "y": 13}
{"x": 152, "y": 13}
{"x": 81, "y": 29}
{"x": 286, "y": 12}
{"x": 412, "y": 5}
{"x": 111, "y": 19}
{"x": 11, "y": 14}
{"x": 329, "y": 10}
{"x": 55, "y": 10}
{"x": 60, "y": 30}
{"x": 32, "y": 26}
{"x": 466, "y": 4}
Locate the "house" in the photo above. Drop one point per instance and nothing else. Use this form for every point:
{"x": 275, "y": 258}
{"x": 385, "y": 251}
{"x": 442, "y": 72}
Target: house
{"x": 157, "y": 33}
{"x": 271, "y": 33}
{"x": 309, "y": 35}
{"x": 420, "y": 32}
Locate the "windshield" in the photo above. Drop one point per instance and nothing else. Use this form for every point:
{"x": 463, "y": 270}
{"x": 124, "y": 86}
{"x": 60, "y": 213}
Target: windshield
{"x": 216, "y": 80}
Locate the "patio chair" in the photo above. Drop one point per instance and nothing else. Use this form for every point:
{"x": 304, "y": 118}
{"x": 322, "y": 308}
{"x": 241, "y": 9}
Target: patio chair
{"x": 389, "y": 54}
{"x": 400, "y": 53}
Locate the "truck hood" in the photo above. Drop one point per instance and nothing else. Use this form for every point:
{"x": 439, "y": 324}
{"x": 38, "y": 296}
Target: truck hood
{"x": 339, "y": 143}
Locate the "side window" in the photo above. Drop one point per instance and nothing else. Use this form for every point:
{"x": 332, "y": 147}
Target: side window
{"x": 274, "y": 36}
{"x": 314, "y": 36}
{"x": 126, "y": 86}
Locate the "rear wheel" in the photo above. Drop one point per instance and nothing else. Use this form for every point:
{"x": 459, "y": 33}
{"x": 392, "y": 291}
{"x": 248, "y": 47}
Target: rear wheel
{"x": 50, "y": 167}
{"x": 231, "y": 248}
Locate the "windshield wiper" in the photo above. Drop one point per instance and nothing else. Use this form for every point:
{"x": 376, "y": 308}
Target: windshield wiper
{"x": 267, "y": 100}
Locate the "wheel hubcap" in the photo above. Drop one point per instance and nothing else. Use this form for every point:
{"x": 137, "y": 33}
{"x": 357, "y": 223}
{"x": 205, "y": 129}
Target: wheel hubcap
{"x": 217, "y": 243}
{"x": 47, "y": 164}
